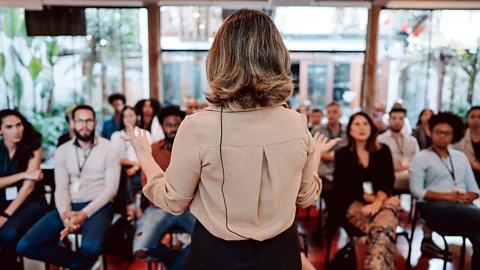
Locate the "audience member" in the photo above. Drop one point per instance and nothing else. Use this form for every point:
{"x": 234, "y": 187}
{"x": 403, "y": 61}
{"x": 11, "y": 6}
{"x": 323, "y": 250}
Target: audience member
{"x": 402, "y": 146}
{"x": 442, "y": 179}
{"x": 148, "y": 110}
{"x": 192, "y": 105}
{"x": 470, "y": 144}
{"x": 422, "y": 130}
{"x": 407, "y": 127}
{"x": 363, "y": 189}
{"x": 332, "y": 130}
{"x": 117, "y": 101}
{"x": 316, "y": 119}
{"x": 86, "y": 177}
{"x": 21, "y": 201}
{"x": 155, "y": 223}
{"x": 70, "y": 134}
{"x": 129, "y": 161}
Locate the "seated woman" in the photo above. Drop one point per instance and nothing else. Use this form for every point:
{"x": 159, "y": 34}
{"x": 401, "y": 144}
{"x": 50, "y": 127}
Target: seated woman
{"x": 129, "y": 160}
{"x": 21, "y": 202}
{"x": 363, "y": 183}
{"x": 148, "y": 110}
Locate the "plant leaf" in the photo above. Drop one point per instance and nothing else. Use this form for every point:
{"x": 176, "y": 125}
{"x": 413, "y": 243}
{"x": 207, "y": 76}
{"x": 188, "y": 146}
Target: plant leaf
{"x": 17, "y": 86}
{"x": 2, "y": 64}
{"x": 35, "y": 67}
{"x": 12, "y": 22}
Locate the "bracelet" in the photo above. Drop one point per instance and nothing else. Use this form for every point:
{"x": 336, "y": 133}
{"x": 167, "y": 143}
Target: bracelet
{"x": 5, "y": 215}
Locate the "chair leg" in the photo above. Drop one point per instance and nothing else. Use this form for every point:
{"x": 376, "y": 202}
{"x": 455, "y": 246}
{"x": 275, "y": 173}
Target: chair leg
{"x": 329, "y": 248}
{"x": 105, "y": 261}
{"x": 308, "y": 213}
{"x": 150, "y": 267}
{"x": 47, "y": 266}
{"x": 463, "y": 253}
{"x": 445, "y": 254}
{"x": 410, "y": 241}
{"x": 412, "y": 207}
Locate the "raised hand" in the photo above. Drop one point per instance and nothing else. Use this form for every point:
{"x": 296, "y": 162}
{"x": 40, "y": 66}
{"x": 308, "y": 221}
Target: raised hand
{"x": 322, "y": 144}
{"x": 139, "y": 141}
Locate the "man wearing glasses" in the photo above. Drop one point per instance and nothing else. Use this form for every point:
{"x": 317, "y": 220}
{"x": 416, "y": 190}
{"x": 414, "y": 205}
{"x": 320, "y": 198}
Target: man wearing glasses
{"x": 87, "y": 172}
{"x": 443, "y": 181}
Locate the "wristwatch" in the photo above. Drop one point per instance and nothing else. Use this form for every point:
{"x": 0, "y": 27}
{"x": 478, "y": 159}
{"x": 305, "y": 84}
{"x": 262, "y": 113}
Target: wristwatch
{"x": 5, "y": 215}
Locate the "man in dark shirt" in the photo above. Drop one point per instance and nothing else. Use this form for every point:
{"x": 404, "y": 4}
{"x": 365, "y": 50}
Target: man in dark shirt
{"x": 117, "y": 101}
{"x": 155, "y": 223}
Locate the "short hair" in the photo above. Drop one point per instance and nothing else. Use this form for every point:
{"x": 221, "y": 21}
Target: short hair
{"x": 371, "y": 145}
{"x": 170, "y": 111}
{"x": 116, "y": 96}
{"x": 450, "y": 119}
{"x": 474, "y": 108}
{"x": 333, "y": 104}
{"x": 122, "y": 125}
{"x": 317, "y": 111}
{"x": 83, "y": 107}
{"x": 398, "y": 109}
{"x": 248, "y": 63}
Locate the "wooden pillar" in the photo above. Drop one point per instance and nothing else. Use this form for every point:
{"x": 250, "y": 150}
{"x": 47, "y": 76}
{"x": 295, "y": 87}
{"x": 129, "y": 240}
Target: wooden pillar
{"x": 371, "y": 59}
{"x": 154, "y": 49}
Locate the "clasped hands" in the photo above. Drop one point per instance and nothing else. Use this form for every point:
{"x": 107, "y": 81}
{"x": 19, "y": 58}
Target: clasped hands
{"x": 72, "y": 221}
{"x": 375, "y": 205}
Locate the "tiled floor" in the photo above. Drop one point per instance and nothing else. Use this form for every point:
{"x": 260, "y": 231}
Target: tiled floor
{"x": 317, "y": 251}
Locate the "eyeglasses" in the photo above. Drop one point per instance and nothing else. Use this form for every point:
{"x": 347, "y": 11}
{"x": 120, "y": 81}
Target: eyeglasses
{"x": 87, "y": 121}
{"x": 443, "y": 132}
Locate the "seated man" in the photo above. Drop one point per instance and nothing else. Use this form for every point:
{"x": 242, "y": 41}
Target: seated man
{"x": 155, "y": 223}
{"x": 443, "y": 179}
{"x": 87, "y": 172}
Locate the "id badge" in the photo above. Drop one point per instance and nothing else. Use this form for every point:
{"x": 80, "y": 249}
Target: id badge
{"x": 368, "y": 187}
{"x": 75, "y": 185}
{"x": 11, "y": 193}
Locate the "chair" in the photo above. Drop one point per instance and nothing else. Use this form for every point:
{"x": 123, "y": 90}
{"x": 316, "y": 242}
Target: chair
{"x": 416, "y": 217}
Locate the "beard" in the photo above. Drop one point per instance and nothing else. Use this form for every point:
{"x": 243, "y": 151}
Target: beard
{"x": 85, "y": 138}
{"x": 170, "y": 137}
{"x": 395, "y": 130}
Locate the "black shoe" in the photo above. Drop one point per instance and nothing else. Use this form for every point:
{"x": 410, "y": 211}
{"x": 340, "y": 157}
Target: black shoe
{"x": 431, "y": 250}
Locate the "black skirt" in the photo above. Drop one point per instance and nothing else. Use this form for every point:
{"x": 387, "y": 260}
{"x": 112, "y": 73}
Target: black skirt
{"x": 208, "y": 252}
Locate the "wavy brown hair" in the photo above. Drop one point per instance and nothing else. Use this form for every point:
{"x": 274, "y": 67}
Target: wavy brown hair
{"x": 248, "y": 64}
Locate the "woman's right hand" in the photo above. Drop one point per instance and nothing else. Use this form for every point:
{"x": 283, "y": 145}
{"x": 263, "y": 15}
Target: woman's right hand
{"x": 139, "y": 142}
{"x": 322, "y": 144}
{"x": 35, "y": 175}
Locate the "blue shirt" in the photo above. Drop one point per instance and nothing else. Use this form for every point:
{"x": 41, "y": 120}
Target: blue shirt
{"x": 428, "y": 172}
{"x": 109, "y": 127}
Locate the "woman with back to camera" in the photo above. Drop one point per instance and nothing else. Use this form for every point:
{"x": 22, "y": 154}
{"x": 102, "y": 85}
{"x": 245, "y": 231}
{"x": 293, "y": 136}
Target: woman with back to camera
{"x": 363, "y": 186}
{"x": 244, "y": 164}
{"x": 21, "y": 201}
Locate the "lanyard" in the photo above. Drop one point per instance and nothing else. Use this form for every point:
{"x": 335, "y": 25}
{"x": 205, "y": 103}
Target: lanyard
{"x": 400, "y": 147}
{"x": 452, "y": 171}
{"x": 85, "y": 156}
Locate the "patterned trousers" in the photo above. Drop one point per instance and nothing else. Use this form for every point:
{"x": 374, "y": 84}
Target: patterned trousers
{"x": 380, "y": 231}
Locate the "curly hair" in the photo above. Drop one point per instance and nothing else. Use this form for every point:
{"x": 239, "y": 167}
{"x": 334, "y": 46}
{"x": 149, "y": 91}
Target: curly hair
{"x": 31, "y": 138}
{"x": 139, "y": 110}
{"x": 169, "y": 111}
{"x": 248, "y": 64}
{"x": 452, "y": 120}
{"x": 116, "y": 96}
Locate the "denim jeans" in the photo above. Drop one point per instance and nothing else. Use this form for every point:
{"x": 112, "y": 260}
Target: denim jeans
{"x": 152, "y": 227}
{"x": 16, "y": 226}
{"x": 41, "y": 241}
{"x": 451, "y": 218}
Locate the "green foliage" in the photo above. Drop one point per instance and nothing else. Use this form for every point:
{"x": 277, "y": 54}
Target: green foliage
{"x": 2, "y": 64}
{"x": 12, "y": 21}
{"x": 35, "y": 67}
{"x": 17, "y": 86}
{"x": 50, "y": 127}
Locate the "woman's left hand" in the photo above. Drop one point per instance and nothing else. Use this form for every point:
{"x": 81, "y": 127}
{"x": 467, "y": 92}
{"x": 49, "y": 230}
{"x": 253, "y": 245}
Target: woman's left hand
{"x": 139, "y": 142}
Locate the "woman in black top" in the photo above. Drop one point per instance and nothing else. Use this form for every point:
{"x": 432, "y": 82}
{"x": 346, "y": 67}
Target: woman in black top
{"x": 422, "y": 132}
{"x": 21, "y": 202}
{"x": 363, "y": 185}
